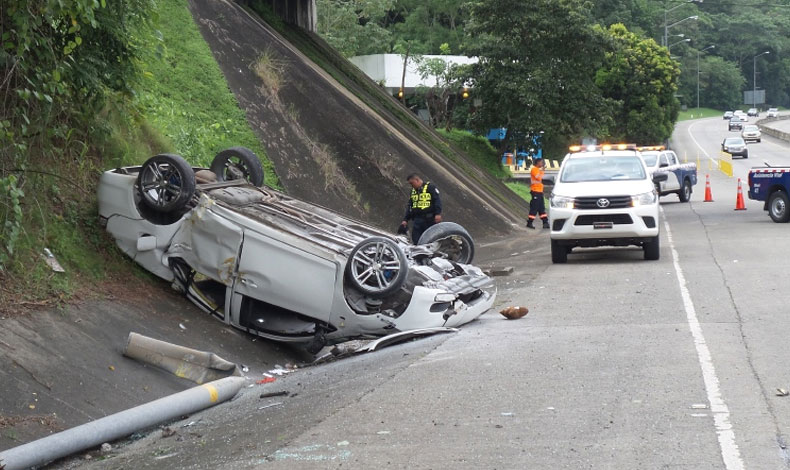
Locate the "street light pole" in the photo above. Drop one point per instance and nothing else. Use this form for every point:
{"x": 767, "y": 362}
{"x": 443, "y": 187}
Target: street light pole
{"x": 754, "y": 78}
{"x": 666, "y": 27}
{"x": 669, "y": 48}
{"x": 666, "y": 11}
{"x": 698, "y": 53}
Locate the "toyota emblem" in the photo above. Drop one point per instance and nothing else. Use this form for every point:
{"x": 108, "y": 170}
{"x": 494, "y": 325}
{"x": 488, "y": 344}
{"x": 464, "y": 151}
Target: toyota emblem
{"x": 603, "y": 203}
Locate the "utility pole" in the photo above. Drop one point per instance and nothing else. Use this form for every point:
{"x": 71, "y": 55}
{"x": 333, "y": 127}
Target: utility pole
{"x": 698, "y": 53}
{"x": 754, "y": 78}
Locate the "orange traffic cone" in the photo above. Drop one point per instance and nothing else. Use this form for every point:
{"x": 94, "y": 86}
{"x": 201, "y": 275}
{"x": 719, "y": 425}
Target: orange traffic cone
{"x": 708, "y": 195}
{"x": 739, "y": 205}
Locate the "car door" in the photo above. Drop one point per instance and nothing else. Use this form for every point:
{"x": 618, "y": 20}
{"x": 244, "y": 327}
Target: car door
{"x": 284, "y": 275}
{"x": 663, "y": 165}
{"x": 672, "y": 183}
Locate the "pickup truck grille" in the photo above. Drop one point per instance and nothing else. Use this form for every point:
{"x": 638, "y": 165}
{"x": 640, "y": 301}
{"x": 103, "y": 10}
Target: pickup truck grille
{"x": 616, "y": 219}
{"x": 615, "y": 202}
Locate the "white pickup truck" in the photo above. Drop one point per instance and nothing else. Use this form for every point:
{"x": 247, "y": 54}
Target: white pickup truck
{"x": 604, "y": 196}
{"x": 681, "y": 177}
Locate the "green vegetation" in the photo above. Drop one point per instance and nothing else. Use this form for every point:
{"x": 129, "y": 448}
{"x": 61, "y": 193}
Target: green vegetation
{"x": 694, "y": 113}
{"x": 479, "y": 150}
{"x": 184, "y": 94}
{"x": 640, "y": 79}
{"x": 521, "y": 189}
{"x": 89, "y": 85}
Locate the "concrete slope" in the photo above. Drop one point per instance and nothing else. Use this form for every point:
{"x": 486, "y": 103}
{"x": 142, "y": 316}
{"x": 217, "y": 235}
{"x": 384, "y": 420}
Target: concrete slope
{"x": 331, "y": 147}
{"x": 64, "y": 367}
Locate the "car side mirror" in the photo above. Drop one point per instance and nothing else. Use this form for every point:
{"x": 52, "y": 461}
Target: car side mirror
{"x": 659, "y": 177}
{"x": 663, "y": 165}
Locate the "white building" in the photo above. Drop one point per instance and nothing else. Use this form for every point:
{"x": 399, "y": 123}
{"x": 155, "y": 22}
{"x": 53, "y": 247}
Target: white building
{"x": 387, "y": 69}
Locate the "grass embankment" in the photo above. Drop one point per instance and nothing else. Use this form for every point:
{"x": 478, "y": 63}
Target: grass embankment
{"x": 485, "y": 155}
{"x": 183, "y": 106}
{"x": 699, "y": 113}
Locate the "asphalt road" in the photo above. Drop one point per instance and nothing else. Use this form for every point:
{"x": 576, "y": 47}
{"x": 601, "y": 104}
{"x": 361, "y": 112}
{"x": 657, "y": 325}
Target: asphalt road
{"x": 621, "y": 364}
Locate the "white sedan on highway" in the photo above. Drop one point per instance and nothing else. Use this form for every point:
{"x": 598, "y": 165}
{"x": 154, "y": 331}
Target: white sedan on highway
{"x": 282, "y": 268}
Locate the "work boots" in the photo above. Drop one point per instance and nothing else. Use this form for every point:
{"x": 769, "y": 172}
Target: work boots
{"x": 531, "y": 224}
{"x": 546, "y": 223}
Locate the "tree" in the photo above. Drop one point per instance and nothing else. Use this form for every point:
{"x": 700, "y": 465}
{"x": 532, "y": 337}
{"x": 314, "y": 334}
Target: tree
{"x": 353, "y": 27}
{"x": 446, "y": 90}
{"x": 640, "y": 77}
{"x": 536, "y": 69}
{"x": 723, "y": 83}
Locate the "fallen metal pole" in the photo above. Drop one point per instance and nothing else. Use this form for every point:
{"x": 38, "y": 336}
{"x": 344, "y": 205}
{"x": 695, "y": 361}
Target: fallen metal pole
{"x": 121, "y": 424}
{"x": 187, "y": 363}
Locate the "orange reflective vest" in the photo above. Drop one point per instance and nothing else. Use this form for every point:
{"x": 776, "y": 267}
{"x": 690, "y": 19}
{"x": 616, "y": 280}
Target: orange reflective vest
{"x": 536, "y": 175}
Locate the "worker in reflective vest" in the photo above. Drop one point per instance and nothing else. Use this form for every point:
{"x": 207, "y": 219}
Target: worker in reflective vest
{"x": 537, "y": 206}
{"x": 423, "y": 209}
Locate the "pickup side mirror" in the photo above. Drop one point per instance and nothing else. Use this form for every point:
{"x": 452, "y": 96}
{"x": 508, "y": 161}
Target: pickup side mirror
{"x": 663, "y": 165}
{"x": 659, "y": 177}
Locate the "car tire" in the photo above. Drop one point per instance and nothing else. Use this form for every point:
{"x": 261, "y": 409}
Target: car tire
{"x": 365, "y": 268}
{"x": 685, "y": 192}
{"x": 238, "y": 163}
{"x": 166, "y": 182}
{"x": 652, "y": 249}
{"x": 745, "y": 154}
{"x": 559, "y": 253}
{"x": 454, "y": 241}
{"x": 779, "y": 207}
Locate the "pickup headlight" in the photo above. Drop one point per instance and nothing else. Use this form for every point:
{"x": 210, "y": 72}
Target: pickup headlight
{"x": 644, "y": 199}
{"x": 562, "y": 202}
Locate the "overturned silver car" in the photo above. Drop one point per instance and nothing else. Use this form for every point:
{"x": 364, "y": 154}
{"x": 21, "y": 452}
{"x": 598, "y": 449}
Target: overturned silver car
{"x": 282, "y": 268}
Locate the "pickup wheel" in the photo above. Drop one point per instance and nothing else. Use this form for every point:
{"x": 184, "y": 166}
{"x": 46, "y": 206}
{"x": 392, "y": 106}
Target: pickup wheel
{"x": 652, "y": 249}
{"x": 559, "y": 253}
{"x": 685, "y": 191}
{"x": 778, "y": 207}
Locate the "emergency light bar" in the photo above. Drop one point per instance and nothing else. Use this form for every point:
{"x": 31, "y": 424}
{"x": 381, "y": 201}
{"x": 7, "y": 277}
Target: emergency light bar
{"x": 602, "y": 147}
{"x": 651, "y": 147}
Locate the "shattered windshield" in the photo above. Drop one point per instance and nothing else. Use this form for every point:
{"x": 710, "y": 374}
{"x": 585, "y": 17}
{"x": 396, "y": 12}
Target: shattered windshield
{"x": 603, "y": 168}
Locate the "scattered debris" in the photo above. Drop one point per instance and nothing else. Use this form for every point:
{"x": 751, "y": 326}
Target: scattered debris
{"x": 343, "y": 443}
{"x": 503, "y": 271}
{"x": 52, "y": 262}
{"x": 167, "y": 431}
{"x": 266, "y": 380}
{"x": 507, "y": 414}
{"x": 244, "y": 368}
{"x": 111, "y": 367}
{"x": 281, "y": 393}
{"x": 514, "y": 313}
{"x": 106, "y": 447}
{"x": 181, "y": 325}
{"x": 780, "y": 392}
{"x": 269, "y": 405}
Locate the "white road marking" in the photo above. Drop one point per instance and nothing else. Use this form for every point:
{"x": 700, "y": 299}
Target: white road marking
{"x": 697, "y": 143}
{"x": 721, "y": 413}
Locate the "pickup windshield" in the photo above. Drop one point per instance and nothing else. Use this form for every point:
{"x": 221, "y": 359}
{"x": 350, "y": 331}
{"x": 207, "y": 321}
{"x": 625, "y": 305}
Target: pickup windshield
{"x": 603, "y": 168}
{"x": 650, "y": 158}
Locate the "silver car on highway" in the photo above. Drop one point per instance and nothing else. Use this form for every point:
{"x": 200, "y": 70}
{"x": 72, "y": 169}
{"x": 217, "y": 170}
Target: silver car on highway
{"x": 752, "y": 133}
{"x": 281, "y": 268}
